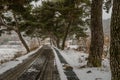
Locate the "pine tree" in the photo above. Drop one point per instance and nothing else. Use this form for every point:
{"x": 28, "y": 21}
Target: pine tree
{"x": 56, "y": 18}
{"x": 97, "y": 39}
{"x": 20, "y": 11}
{"x": 73, "y": 15}
{"x": 115, "y": 41}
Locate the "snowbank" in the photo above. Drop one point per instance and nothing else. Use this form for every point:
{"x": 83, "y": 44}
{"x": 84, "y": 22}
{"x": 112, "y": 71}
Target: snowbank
{"x": 77, "y": 59}
{"x": 8, "y": 52}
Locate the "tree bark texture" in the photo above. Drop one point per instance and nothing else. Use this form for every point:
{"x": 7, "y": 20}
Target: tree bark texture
{"x": 65, "y": 35}
{"x": 23, "y": 41}
{"x": 58, "y": 43}
{"x": 115, "y": 41}
{"x": 97, "y": 37}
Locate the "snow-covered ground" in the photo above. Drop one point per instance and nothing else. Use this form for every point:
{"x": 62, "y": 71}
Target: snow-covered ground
{"x": 78, "y": 60}
{"x": 8, "y": 52}
{"x": 11, "y": 64}
{"x": 73, "y": 46}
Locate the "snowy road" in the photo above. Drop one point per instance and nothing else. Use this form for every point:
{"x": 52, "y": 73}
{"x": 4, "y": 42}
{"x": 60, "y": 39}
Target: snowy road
{"x": 38, "y": 66}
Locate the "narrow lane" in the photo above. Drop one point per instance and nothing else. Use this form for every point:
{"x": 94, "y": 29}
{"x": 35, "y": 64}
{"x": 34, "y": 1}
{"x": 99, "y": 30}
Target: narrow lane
{"x": 43, "y": 68}
{"x": 39, "y": 66}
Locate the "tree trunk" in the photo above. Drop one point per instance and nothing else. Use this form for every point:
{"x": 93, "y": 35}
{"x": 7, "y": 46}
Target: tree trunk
{"x": 97, "y": 37}
{"x": 115, "y": 41}
{"x": 65, "y": 36}
{"x": 23, "y": 41}
{"x": 58, "y": 43}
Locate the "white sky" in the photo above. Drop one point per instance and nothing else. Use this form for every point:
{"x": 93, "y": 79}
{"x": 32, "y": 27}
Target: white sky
{"x": 107, "y": 15}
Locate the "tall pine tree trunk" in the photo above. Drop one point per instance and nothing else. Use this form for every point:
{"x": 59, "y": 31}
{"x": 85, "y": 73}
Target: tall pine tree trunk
{"x": 115, "y": 41}
{"x": 23, "y": 41}
{"x": 65, "y": 35}
{"x": 97, "y": 37}
{"x": 58, "y": 43}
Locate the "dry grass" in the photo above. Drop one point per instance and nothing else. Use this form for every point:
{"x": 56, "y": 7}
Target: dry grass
{"x": 33, "y": 46}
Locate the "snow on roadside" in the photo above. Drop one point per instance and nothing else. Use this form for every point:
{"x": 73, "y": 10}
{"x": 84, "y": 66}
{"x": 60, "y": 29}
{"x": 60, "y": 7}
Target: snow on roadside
{"x": 74, "y": 58}
{"x": 26, "y": 56}
{"x": 11, "y": 64}
{"x": 59, "y": 66}
{"x": 78, "y": 59}
{"x": 8, "y": 52}
{"x": 73, "y": 46}
{"x": 96, "y": 74}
